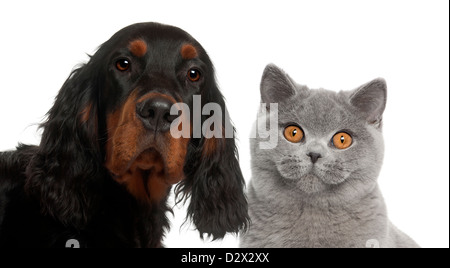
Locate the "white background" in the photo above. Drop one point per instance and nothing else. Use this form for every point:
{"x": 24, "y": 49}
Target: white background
{"x": 336, "y": 45}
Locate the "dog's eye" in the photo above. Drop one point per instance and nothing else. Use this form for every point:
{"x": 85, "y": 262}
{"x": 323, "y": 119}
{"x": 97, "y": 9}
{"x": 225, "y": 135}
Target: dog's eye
{"x": 194, "y": 75}
{"x": 123, "y": 65}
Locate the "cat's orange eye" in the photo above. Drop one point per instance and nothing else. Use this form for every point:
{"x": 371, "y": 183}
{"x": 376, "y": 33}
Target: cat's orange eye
{"x": 293, "y": 134}
{"x": 342, "y": 140}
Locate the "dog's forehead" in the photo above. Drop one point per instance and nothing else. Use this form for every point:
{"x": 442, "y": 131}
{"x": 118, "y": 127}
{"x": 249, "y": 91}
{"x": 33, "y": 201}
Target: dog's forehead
{"x": 150, "y": 38}
{"x": 186, "y": 49}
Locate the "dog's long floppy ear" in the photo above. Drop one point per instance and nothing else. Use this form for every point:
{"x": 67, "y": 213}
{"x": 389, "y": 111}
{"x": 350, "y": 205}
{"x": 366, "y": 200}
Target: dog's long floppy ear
{"x": 214, "y": 180}
{"x": 62, "y": 175}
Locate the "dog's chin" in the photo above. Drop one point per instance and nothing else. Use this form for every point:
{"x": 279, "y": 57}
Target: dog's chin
{"x": 153, "y": 162}
{"x": 149, "y": 159}
{"x": 147, "y": 177}
{"x": 145, "y": 159}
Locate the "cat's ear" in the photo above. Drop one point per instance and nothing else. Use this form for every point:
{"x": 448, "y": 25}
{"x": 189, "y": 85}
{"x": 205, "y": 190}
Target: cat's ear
{"x": 370, "y": 99}
{"x": 276, "y": 85}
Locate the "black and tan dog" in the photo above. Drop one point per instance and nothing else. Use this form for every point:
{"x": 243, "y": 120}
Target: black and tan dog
{"x": 107, "y": 161}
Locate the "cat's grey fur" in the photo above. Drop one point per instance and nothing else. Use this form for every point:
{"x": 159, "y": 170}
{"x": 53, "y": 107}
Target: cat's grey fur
{"x": 335, "y": 202}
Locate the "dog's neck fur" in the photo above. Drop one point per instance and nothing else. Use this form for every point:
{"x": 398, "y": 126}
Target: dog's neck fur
{"x": 118, "y": 220}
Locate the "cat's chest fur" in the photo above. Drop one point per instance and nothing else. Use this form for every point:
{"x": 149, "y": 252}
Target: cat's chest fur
{"x": 297, "y": 223}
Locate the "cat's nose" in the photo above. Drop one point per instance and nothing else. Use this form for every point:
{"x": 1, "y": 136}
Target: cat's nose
{"x": 314, "y": 157}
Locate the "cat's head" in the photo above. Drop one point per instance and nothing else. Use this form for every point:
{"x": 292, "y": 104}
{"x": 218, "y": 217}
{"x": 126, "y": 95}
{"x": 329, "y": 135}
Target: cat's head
{"x": 327, "y": 141}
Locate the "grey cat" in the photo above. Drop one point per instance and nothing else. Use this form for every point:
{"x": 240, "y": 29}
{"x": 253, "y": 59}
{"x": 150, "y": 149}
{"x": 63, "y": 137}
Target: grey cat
{"x": 318, "y": 187}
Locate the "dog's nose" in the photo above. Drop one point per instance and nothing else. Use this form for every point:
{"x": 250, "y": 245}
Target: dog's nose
{"x": 155, "y": 114}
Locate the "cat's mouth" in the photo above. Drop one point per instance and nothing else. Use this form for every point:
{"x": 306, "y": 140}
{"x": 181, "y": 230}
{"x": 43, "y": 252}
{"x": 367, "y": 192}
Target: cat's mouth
{"x": 304, "y": 179}
{"x": 320, "y": 179}
{"x": 311, "y": 178}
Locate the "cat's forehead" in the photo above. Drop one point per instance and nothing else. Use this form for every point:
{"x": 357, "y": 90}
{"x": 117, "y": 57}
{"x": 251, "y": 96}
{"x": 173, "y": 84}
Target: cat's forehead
{"x": 322, "y": 111}
{"x": 323, "y": 100}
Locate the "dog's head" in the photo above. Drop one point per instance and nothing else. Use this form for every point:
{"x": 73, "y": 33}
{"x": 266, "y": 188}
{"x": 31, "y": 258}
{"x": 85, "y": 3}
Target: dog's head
{"x": 114, "y": 116}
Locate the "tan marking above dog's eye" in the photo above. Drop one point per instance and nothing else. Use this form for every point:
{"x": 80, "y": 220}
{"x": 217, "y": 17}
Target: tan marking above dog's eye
{"x": 138, "y": 47}
{"x": 188, "y": 52}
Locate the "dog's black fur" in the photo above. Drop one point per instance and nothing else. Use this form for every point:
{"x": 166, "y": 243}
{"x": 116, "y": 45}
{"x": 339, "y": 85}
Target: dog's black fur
{"x": 63, "y": 190}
